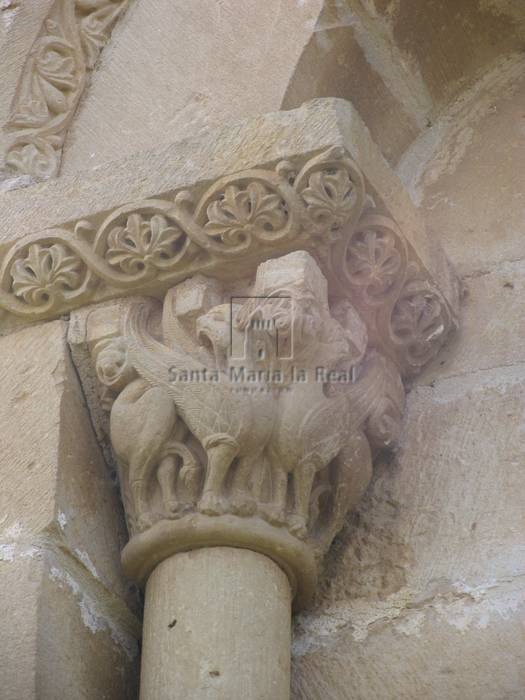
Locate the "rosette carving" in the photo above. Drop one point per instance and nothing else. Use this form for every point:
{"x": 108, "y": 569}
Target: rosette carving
{"x": 420, "y": 321}
{"x": 52, "y": 82}
{"x": 330, "y": 197}
{"x": 374, "y": 261}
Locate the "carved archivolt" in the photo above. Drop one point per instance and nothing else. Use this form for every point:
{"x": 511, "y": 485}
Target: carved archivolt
{"x": 52, "y": 82}
{"x": 319, "y": 205}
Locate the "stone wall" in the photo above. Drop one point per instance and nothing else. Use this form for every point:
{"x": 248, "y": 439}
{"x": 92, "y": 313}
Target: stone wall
{"x": 424, "y": 596}
{"x": 71, "y": 622}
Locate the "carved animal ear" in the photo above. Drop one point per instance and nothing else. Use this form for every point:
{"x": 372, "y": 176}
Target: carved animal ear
{"x": 354, "y": 327}
{"x": 112, "y": 364}
{"x": 184, "y": 304}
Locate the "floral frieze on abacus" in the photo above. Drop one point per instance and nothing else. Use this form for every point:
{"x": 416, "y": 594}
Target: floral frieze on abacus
{"x": 320, "y": 205}
{"x": 407, "y": 316}
{"x": 246, "y": 214}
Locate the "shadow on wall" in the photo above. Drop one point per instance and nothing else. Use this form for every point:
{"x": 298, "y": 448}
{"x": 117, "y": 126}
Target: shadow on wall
{"x": 402, "y": 62}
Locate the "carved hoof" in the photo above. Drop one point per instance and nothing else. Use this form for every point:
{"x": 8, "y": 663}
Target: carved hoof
{"x": 241, "y": 505}
{"x": 274, "y": 515}
{"x": 211, "y": 504}
{"x": 144, "y": 521}
{"x": 175, "y": 510}
{"x": 297, "y": 526}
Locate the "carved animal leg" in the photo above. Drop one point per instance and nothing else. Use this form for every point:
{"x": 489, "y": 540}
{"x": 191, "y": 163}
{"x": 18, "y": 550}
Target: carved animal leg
{"x": 242, "y": 500}
{"x": 303, "y": 480}
{"x": 353, "y": 471}
{"x": 142, "y": 419}
{"x": 166, "y": 476}
{"x": 221, "y": 452}
{"x": 140, "y": 469}
{"x": 276, "y": 510}
{"x": 191, "y": 477}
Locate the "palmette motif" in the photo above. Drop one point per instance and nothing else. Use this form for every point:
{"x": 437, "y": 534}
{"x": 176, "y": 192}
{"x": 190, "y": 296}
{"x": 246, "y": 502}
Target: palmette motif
{"x": 320, "y": 206}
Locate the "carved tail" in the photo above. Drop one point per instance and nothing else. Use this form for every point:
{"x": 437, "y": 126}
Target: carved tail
{"x": 376, "y": 400}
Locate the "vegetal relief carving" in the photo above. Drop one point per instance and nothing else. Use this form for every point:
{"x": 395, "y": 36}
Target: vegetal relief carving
{"x": 46, "y": 273}
{"x": 284, "y": 436}
{"x": 319, "y": 205}
{"x": 407, "y": 317}
{"x": 143, "y": 242}
{"x": 52, "y": 82}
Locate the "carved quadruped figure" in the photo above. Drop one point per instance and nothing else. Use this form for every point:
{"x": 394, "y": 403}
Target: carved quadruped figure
{"x": 284, "y": 436}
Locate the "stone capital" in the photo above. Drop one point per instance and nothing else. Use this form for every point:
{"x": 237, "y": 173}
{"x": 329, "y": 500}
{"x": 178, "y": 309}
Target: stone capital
{"x": 282, "y": 301}
{"x": 243, "y": 415}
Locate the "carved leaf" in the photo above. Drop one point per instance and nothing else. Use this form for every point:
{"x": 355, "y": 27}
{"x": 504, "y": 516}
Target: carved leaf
{"x": 36, "y": 156}
{"x": 243, "y": 212}
{"x": 143, "y": 243}
{"x": 95, "y": 26}
{"x": 46, "y": 273}
{"x": 373, "y": 262}
{"x": 330, "y": 198}
{"x": 56, "y": 66}
{"x": 418, "y": 321}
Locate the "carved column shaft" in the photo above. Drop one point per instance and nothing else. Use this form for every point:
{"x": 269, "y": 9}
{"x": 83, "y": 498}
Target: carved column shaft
{"x": 217, "y": 625}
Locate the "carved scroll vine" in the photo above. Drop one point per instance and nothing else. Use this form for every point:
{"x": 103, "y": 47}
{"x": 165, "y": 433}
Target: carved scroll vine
{"x": 52, "y": 82}
{"x": 407, "y": 316}
{"x": 239, "y": 217}
{"x": 249, "y": 216}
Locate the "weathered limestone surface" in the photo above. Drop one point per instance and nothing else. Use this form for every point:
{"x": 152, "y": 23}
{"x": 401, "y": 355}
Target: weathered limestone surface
{"x": 181, "y": 67}
{"x": 424, "y": 595}
{"x": 61, "y": 533}
{"x": 217, "y": 625}
{"x": 473, "y": 190}
{"x": 427, "y": 655}
{"x": 492, "y": 327}
{"x": 433, "y": 565}
{"x": 400, "y": 63}
{"x": 63, "y": 635}
{"x": 387, "y": 58}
